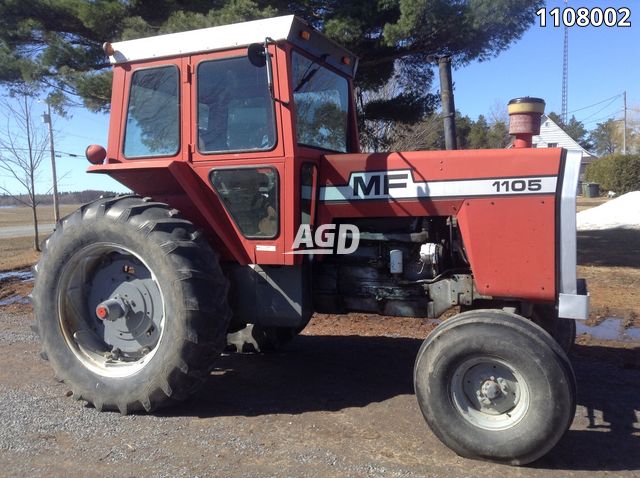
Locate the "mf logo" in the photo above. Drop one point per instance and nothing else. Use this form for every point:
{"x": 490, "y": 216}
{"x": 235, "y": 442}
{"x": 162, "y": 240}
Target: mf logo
{"x": 378, "y": 183}
{"x": 343, "y": 239}
{"x": 373, "y": 185}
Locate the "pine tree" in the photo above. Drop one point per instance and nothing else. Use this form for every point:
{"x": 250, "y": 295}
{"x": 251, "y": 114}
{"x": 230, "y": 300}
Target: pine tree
{"x": 57, "y": 43}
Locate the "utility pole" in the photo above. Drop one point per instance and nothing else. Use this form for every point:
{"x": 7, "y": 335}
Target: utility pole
{"x": 46, "y": 118}
{"x": 448, "y": 107}
{"x": 624, "y": 133}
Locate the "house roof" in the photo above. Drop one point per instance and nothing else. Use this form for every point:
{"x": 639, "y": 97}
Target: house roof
{"x": 550, "y": 132}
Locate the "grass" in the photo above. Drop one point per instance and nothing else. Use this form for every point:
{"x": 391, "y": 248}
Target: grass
{"x": 21, "y": 216}
{"x": 587, "y": 203}
{"x": 17, "y": 252}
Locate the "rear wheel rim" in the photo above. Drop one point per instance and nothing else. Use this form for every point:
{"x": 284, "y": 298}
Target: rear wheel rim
{"x": 116, "y": 347}
{"x": 489, "y": 393}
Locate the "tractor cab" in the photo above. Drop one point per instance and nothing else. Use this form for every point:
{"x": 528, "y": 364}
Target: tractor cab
{"x": 236, "y": 119}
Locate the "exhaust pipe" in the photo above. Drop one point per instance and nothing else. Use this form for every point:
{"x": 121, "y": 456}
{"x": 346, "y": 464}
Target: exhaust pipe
{"x": 524, "y": 120}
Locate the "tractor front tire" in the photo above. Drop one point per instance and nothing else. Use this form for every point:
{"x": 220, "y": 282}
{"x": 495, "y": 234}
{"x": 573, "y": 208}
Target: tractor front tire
{"x": 563, "y": 330}
{"x": 493, "y": 385}
{"x": 130, "y": 303}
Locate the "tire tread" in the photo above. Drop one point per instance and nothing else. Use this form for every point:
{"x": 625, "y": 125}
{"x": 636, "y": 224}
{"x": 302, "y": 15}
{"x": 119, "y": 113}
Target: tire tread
{"x": 199, "y": 269}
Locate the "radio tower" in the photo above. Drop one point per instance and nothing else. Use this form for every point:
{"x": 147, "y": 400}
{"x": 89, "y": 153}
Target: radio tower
{"x": 565, "y": 73}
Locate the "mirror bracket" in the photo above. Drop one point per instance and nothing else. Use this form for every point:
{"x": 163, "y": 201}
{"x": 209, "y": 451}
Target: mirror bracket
{"x": 259, "y": 57}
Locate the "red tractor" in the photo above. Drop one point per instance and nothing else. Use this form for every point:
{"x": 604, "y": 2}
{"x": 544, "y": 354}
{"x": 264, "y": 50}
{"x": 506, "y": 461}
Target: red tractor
{"x": 254, "y": 208}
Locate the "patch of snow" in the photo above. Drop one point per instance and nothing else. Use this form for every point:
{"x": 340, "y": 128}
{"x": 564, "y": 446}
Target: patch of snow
{"x": 14, "y": 299}
{"x": 21, "y": 275}
{"x": 622, "y": 212}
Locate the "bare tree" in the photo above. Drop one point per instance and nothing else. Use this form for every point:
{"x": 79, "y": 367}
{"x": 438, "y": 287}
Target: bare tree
{"x": 498, "y": 112}
{"x": 23, "y": 144}
{"x": 425, "y": 135}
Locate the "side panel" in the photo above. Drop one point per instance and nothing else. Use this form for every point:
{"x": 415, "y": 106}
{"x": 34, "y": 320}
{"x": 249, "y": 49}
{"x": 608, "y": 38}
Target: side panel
{"x": 510, "y": 244}
{"x": 504, "y": 201}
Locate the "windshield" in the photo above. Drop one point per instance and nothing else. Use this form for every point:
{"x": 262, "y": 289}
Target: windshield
{"x": 321, "y": 100}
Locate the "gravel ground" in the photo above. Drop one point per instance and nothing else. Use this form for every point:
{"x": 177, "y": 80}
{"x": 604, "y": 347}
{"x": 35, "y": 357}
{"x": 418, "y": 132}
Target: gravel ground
{"x": 327, "y": 406}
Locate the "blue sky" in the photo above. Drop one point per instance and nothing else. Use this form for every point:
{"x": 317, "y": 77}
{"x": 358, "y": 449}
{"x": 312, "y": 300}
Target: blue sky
{"x": 603, "y": 62}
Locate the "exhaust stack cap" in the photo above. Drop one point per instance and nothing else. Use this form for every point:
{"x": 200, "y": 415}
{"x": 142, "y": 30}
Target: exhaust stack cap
{"x": 524, "y": 119}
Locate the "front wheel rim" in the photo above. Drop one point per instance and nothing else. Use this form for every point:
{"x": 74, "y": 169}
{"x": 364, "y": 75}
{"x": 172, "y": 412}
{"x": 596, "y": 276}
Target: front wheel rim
{"x": 123, "y": 344}
{"x": 489, "y": 393}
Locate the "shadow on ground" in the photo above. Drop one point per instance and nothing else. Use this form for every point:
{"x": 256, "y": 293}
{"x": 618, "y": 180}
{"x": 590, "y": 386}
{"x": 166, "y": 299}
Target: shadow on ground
{"x": 329, "y": 373}
{"x": 611, "y": 400}
{"x": 610, "y": 247}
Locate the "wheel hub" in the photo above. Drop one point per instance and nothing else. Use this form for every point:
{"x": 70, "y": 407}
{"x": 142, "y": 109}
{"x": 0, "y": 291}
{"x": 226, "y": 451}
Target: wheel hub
{"x": 111, "y": 309}
{"x": 490, "y": 389}
{"x": 488, "y": 393}
{"x": 126, "y": 299}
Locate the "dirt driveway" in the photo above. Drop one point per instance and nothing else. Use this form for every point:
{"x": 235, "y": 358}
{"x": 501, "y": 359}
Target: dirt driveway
{"x": 327, "y": 406}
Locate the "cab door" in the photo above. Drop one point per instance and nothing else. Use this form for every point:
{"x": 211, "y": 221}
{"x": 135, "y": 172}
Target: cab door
{"x": 236, "y": 147}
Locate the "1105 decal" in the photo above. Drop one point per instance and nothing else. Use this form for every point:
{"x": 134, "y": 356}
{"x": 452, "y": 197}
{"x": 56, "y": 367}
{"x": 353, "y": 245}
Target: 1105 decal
{"x": 517, "y": 185}
{"x": 585, "y": 17}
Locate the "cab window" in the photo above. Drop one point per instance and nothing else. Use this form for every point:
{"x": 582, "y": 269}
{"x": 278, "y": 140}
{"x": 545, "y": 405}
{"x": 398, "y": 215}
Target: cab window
{"x": 321, "y": 100}
{"x": 250, "y": 195}
{"x": 153, "y": 124}
{"x": 235, "y": 109}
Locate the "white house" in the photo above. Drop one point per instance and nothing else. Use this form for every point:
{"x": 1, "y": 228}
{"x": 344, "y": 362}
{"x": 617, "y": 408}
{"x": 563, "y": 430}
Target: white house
{"x": 553, "y": 136}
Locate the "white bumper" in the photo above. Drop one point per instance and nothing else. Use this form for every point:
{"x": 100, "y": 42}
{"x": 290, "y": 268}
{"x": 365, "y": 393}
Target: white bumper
{"x": 573, "y": 299}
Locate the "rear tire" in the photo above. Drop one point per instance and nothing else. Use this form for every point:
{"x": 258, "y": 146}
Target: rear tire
{"x": 172, "y": 315}
{"x": 492, "y": 385}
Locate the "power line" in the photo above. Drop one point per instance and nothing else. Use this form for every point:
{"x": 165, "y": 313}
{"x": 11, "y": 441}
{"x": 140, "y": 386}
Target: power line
{"x": 609, "y": 116}
{"x": 78, "y": 136}
{"x": 595, "y": 104}
{"x": 73, "y": 155}
{"x": 600, "y": 110}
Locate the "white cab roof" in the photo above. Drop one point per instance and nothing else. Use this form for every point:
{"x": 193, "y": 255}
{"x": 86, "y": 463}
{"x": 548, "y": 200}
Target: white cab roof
{"x": 286, "y": 28}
